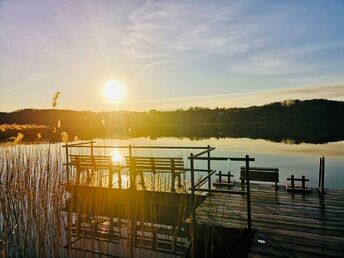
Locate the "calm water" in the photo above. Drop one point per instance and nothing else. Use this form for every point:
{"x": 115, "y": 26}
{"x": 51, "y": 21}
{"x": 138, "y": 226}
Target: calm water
{"x": 297, "y": 159}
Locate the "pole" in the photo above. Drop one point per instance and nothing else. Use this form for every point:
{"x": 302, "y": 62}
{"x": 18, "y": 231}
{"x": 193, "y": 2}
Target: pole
{"x": 249, "y": 223}
{"x": 209, "y": 168}
{"x": 323, "y": 175}
{"x": 193, "y": 218}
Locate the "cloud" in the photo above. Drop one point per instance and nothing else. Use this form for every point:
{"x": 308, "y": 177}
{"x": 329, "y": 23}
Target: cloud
{"x": 160, "y": 30}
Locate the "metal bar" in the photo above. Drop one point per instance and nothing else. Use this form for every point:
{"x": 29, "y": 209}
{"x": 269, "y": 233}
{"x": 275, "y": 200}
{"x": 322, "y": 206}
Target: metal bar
{"x": 223, "y": 158}
{"x": 77, "y": 145}
{"x": 193, "y": 212}
{"x": 204, "y": 152}
{"x": 323, "y": 175}
{"x": 219, "y": 191}
{"x": 67, "y": 162}
{"x": 249, "y": 223}
{"x": 209, "y": 168}
{"x": 200, "y": 183}
{"x": 192, "y": 173}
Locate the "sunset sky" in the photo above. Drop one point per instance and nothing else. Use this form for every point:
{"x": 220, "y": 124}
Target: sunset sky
{"x": 169, "y": 54}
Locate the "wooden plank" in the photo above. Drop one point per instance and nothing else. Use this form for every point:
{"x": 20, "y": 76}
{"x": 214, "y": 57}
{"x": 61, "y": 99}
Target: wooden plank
{"x": 296, "y": 225}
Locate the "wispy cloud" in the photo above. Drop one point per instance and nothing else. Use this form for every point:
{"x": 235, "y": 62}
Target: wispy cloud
{"x": 159, "y": 31}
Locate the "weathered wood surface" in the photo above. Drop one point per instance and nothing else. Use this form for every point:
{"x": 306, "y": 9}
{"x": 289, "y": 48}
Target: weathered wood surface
{"x": 292, "y": 225}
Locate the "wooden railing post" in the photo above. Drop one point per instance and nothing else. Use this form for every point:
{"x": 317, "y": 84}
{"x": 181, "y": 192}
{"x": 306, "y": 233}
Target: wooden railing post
{"x": 209, "y": 169}
{"x": 249, "y": 222}
{"x": 292, "y": 182}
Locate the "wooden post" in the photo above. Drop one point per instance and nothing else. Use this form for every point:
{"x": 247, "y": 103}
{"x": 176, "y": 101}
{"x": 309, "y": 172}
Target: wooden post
{"x": 220, "y": 176}
{"x": 303, "y": 182}
{"x": 320, "y": 172}
{"x": 292, "y": 182}
{"x": 229, "y": 177}
{"x": 209, "y": 168}
{"x": 67, "y": 162}
{"x": 249, "y": 223}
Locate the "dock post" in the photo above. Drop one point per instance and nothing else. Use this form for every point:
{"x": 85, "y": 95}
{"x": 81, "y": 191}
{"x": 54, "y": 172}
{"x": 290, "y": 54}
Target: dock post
{"x": 323, "y": 175}
{"x": 292, "y": 182}
{"x": 220, "y": 176}
{"x": 209, "y": 168}
{"x": 249, "y": 222}
{"x": 303, "y": 182}
{"x": 320, "y": 172}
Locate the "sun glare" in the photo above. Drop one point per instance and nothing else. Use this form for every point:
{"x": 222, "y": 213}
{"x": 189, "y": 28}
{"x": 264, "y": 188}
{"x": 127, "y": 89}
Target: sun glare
{"x": 117, "y": 157}
{"x": 114, "y": 90}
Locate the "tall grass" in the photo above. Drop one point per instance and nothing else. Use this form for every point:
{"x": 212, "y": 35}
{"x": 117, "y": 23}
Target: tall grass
{"x": 31, "y": 201}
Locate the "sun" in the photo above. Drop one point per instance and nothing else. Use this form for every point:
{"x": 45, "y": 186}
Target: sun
{"x": 114, "y": 90}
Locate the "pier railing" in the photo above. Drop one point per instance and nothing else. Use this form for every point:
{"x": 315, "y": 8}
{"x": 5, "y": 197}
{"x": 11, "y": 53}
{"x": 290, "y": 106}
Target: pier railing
{"x": 90, "y": 145}
{"x": 197, "y": 187}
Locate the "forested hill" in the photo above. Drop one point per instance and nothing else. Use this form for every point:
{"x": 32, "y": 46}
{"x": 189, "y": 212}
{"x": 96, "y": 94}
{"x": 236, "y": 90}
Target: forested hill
{"x": 315, "y": 120}
{"x": 295, "y": 111}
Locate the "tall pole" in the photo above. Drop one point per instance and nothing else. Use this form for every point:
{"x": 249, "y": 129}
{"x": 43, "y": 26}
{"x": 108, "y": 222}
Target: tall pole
{"x": 193, "y": 242}
{"x": 249, "y": 223}
{"x": 209, "y": 168}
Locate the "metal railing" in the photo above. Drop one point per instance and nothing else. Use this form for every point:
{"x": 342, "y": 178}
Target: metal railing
{"x": 92, "y": 147}
{"x": 197, "y": 187}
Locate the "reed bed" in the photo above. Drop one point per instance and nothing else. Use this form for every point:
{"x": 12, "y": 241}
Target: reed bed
{"x": 31, "y": 201}
{"x": 34, "y": 219}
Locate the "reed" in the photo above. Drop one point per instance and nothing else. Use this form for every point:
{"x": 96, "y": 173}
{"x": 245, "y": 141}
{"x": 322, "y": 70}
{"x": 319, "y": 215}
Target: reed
{"x": 31, "y": 201}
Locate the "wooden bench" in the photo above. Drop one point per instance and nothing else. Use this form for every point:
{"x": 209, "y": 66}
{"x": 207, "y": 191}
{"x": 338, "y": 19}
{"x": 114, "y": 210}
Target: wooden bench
{"x": 155, "y": 165}
{"x": 260, "y": 174}
{"x": 90, "y": 164}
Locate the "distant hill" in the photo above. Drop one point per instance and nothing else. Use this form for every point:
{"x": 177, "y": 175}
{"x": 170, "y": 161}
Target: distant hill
{"x": 315, "y": 120}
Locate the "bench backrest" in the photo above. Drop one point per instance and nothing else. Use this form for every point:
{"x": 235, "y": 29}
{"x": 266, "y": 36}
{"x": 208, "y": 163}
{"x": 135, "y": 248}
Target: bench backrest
{"x": 261, "y": 174}
{"x": 156, "y": 164}
{"x": 93, "y": 162}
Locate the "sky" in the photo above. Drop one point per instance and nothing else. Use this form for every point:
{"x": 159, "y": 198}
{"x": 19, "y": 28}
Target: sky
{"x": 169, "y": 54}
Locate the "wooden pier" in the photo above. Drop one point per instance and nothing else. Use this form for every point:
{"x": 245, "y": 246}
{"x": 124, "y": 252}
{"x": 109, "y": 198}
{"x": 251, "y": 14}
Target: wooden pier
{"x": 285, "y": 224}
{"x": 203, "y": 217}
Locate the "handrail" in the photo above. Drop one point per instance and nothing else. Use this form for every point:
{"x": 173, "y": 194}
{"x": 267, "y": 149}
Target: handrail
{"x": 221, "y": 158}
{"x": 200, "y": 183}
{"x": 82, "y": 145}
{"x": 204, "y": 152}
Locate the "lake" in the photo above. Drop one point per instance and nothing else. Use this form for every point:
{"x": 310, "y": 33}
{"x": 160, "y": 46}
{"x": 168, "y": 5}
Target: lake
{"x": 297, "y": 159}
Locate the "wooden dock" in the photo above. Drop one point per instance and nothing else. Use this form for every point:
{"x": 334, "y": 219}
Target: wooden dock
{"x": 285, "y": 224}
